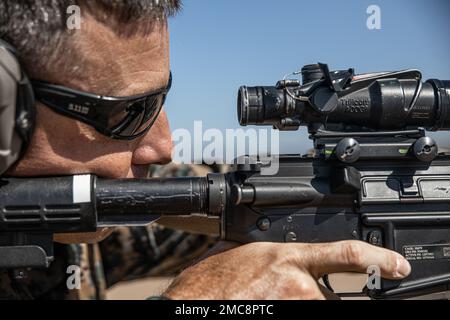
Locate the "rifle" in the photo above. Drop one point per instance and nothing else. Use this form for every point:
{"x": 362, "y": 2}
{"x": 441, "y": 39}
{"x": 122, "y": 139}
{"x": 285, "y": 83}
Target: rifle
{"x": 375, "y": 177}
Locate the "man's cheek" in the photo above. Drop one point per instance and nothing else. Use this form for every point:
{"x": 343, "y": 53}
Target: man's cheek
{"x": 114, "y": 166}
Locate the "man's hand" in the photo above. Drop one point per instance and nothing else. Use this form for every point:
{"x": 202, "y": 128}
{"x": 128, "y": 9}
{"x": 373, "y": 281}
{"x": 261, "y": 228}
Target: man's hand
{"x": 281, "y": 271}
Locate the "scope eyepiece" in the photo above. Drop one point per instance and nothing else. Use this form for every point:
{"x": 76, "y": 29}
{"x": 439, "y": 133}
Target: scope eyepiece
{"x": 260, "y": 106}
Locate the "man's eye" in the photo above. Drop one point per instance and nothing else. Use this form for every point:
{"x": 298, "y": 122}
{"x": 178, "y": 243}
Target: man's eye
{"x": 135, "y": 107}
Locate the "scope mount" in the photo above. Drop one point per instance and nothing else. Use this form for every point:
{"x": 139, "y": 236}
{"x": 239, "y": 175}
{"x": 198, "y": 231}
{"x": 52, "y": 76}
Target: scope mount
{"x": 349, "y": 147}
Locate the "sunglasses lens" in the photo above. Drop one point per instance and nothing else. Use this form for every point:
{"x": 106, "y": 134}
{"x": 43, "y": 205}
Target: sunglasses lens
{"x": 152, "y": 109}
{"x": 137, "y": 117}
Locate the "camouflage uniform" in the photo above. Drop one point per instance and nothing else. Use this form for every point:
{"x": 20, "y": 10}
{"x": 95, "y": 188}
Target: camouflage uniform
{"x": 129, "y": 253}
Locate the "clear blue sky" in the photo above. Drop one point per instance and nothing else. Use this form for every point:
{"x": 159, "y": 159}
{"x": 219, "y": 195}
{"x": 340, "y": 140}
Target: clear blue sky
{"x": 218, "y": 45}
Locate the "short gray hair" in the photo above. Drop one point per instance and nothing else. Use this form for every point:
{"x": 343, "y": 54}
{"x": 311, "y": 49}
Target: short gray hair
{"x": 35, "y": 27}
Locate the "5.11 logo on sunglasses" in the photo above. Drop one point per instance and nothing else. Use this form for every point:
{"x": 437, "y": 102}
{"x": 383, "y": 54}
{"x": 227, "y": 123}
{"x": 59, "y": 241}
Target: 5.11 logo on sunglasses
{"x": 78, "y": 108}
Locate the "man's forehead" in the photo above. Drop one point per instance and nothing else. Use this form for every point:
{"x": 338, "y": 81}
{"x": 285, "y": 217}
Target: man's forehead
{"x": 106, "y": 62}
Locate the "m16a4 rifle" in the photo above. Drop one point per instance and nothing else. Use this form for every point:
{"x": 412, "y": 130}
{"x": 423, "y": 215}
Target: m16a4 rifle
{"x": 375, "y": 177}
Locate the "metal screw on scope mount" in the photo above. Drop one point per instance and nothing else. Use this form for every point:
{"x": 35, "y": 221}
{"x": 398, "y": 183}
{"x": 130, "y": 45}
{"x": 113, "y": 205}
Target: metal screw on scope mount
{"x": 263, "y": 224}
{"x": 374, "y": 237}
{"x": 290, "y": 237}
{"x": 425, "y": 149}
{"x": 348, "y": 150}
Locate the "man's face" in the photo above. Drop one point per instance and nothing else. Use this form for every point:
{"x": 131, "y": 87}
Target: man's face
{"x": 106, "y": 64}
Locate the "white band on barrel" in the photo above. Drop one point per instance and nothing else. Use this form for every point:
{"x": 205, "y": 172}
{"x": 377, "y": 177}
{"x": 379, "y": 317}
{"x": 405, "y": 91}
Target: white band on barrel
{"x": 81, "y": 189}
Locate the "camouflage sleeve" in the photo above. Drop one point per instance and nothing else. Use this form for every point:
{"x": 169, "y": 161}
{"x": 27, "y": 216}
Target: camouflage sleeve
{"x": 137, "y": 252}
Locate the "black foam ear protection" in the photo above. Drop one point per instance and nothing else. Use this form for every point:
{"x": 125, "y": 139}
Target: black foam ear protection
{"x": 17, "y": 108}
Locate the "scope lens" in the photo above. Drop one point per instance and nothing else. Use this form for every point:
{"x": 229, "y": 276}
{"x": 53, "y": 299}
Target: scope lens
{"x": 442, "y": 95}
{"x": 242, "y": 106}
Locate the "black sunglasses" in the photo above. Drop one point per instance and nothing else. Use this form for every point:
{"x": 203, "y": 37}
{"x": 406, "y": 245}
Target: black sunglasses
{"x": 123, "y": 118}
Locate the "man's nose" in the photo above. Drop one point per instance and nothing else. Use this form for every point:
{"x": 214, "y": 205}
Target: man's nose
{"x": 156, "y": 146}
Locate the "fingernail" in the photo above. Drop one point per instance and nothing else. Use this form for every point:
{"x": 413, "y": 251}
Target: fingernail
{"x": 403, "y": 268}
